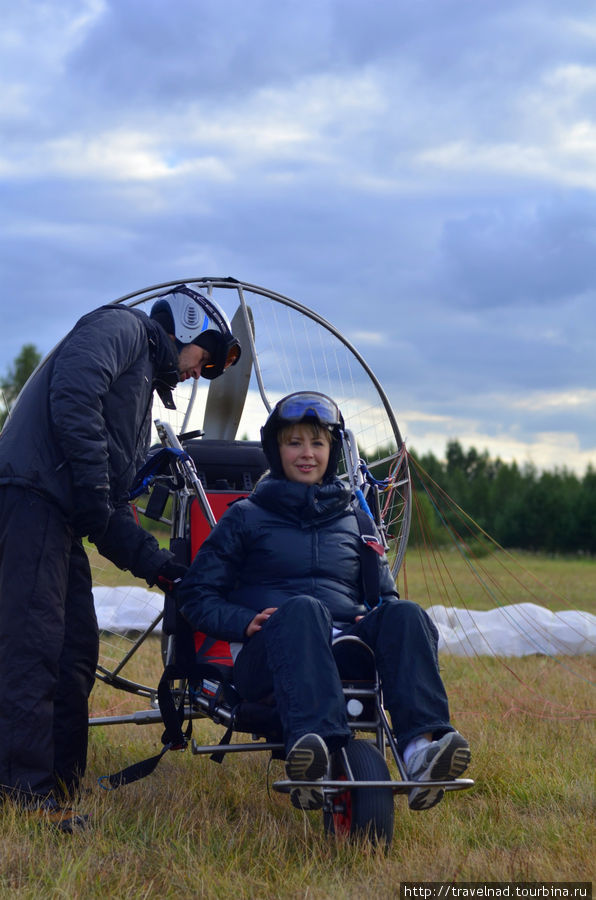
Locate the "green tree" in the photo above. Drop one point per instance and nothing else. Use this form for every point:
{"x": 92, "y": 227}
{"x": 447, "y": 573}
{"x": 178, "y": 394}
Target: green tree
{"x": 554, "y": 512}
{"x": 17, "y": 375}
{"x": 586, "y": 512}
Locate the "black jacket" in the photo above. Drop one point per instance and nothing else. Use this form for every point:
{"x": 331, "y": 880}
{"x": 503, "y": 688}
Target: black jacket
{"x": 83, "y": 420}
{"x": 287, "y": 538}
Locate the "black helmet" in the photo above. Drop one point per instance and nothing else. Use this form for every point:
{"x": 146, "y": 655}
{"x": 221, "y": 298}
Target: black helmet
{"x": 306, "y": 407}
{"x": 195, "y": 319}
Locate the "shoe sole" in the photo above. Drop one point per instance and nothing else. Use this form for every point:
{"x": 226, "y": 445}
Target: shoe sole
{"x": 446, "y": 765}
{"x": 307, "y": 761}
{"x": 67, "y": 824}
{"x": 74, "y": 825}
{"x": 307, "y": 798}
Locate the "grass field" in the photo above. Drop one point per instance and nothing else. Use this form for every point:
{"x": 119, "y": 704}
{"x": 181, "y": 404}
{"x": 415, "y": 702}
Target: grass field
{"x": 446, "y": 576}
{"x": 198, "y": 829}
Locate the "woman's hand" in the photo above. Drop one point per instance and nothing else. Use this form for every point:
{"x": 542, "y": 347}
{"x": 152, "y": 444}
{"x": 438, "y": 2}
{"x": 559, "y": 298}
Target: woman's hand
{"x": 259, "y": 620}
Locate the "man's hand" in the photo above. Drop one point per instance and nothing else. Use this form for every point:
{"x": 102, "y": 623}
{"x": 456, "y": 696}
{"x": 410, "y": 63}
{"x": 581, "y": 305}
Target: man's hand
{"x": 259, "y": 620}
{"x": 170, "y": 575}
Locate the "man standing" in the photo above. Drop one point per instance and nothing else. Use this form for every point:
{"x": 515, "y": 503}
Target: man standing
{"x": 69, "y": 451}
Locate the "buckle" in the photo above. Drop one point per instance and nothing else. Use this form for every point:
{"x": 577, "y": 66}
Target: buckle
{"x": 372, "y": 541}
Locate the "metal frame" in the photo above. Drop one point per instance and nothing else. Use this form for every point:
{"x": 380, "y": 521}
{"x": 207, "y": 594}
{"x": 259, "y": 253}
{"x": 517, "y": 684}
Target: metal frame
{"x": 208, "y": 284}
{"x": 192, "y": 484}
{"x": 221, "y": 713}
{"x": 368, "y": 696}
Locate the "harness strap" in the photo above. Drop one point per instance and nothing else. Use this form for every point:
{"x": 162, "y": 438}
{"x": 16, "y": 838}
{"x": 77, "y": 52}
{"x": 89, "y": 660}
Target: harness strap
{"x": 172, "y": 716}
{"x": 218, "y": 755}
{"x": 173, "y": 737}
{"x": 131, "y": 773}
{"x": 370, "y": 549}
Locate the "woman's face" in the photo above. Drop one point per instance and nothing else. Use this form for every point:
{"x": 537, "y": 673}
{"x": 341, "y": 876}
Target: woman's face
{"x": 304, "y": 455}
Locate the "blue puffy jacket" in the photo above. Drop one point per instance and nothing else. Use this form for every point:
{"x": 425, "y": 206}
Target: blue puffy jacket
{"x": 285, "y": 539}
{"x": 83, "y": 420}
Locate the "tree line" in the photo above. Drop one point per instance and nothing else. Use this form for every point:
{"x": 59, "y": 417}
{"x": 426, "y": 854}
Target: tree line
{"x": 520, "y": 507}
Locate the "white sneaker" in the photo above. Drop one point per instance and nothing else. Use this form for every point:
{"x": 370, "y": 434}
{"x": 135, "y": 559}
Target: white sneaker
{"x": 441, "y": 760}
{"x": 308, "y": 760}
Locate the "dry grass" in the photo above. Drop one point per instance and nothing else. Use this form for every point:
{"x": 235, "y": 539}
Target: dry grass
{"x": 197, "y": 829}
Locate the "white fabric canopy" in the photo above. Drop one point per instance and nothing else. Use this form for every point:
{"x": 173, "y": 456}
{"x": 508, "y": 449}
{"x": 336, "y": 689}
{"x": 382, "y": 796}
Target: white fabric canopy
{"x": 126, "y": 608}
{"x": 515, "y": 630}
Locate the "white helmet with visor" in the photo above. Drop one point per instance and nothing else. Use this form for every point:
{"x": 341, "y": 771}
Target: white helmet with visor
{"x": 193, "y": 318}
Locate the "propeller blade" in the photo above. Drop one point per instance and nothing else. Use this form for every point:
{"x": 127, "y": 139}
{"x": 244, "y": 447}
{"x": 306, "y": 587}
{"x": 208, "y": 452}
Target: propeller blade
{"x": 227, "y": 394}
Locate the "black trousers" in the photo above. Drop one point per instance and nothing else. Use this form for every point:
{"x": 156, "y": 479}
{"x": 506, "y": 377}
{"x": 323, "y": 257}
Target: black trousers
{"x": 405, "y": 643}
{"x": 48, "y": 648}
{"x": 291, "y": 657}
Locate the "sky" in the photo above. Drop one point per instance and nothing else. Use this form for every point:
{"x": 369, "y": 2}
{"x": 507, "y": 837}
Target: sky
{"x": 422, "y": 174}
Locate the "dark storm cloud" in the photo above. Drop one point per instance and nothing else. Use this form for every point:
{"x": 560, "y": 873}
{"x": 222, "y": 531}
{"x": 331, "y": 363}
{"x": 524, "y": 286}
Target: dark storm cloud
{"x": 516, "y": 250}
{"x": 206, "y": 47}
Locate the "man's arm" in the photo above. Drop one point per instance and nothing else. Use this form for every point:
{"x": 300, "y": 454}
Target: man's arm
{"x": 130, "y": 547}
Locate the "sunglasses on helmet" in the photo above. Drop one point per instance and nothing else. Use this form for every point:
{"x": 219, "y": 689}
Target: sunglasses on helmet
{"x": 304, "y": 404}
{"x": 224, "y": 351}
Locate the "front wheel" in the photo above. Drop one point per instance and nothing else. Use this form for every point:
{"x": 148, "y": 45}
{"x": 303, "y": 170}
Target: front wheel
{"x": 363, "y": 812}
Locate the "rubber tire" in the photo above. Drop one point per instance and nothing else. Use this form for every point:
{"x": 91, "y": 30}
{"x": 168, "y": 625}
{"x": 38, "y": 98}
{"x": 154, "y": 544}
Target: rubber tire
{"x": 367, "y": 812}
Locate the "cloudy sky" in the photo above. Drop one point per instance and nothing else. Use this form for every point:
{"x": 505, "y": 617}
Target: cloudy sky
{"x": 422, "y": 174}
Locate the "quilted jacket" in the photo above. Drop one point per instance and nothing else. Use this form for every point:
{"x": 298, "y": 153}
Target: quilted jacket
{"x": 83, "y": 421}
{"x": 285, "y": 539}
